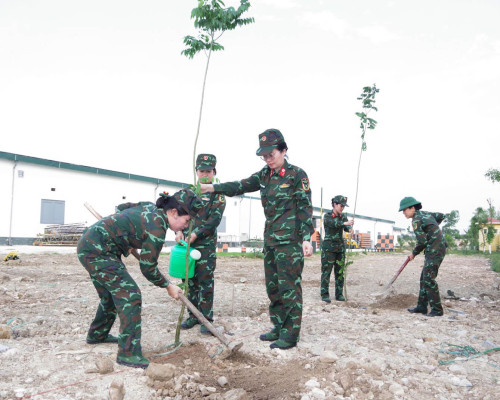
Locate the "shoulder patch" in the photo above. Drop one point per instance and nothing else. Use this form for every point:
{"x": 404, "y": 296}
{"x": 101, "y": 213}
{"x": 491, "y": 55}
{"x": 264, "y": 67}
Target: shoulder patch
{"x": 222, "y": 199}
{"x": 305, "y": 183}
{"x": 415, "y": 225}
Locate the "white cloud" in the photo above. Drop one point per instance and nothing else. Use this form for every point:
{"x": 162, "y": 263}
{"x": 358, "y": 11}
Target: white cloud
{"x": 280, "y": 4}
{"x": 377, "y": 34}
{"x": 326, "y": 21}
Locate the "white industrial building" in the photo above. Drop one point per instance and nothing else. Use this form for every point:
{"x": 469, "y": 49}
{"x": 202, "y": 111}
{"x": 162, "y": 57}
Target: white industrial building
{"x": 39, "y": 192}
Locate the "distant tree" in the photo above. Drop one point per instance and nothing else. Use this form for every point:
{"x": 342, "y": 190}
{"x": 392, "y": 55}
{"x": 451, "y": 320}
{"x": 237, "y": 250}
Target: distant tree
{"x": 493, "y": 175}
{"x": 478, "y": 218}
{"x": 450, "y": 221}
{"x": 490, "y": 236}
{"x": 480, "y": 230}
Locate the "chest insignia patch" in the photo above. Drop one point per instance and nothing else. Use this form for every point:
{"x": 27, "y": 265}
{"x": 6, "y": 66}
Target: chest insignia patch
{"x": 415, "y": 226}
{"x": 284, "y": 186}
{"x": 305, "y": 184}
{"x": 222, "y": 199}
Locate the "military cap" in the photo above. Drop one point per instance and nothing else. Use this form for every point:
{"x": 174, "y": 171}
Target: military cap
{"x": 268, "y": 141}
{"x": 340, "y": 200}
{"x": 206, "y": 162}
{"x": 189, "y": 201}
{"x": 408, "y": 202}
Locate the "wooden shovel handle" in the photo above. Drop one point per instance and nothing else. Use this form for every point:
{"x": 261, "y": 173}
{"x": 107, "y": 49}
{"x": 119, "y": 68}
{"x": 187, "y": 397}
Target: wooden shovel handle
{"x": 203, "y": 320}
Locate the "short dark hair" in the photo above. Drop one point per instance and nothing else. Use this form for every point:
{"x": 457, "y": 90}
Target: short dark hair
{"x": 418, "y": 206}
{"x": 281, "y": 146}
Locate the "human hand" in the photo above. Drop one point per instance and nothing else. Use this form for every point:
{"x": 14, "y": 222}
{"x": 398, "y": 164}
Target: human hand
{"x": 411, "y": 257}
{"x": 206, "y": 188}
{"x": 194, "y": 236}
{"x": 307, "y": 248}
{"x": 179, "y": 236}
{"x": 173, "y": 291}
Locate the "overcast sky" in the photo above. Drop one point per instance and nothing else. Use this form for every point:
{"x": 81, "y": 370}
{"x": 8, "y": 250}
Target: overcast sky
{"x": 103, "y": 83}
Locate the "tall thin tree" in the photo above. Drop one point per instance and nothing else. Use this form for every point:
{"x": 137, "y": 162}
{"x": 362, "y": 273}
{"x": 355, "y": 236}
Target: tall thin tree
{"x": 367, "y": 98}
{"x": 212, "y": 19}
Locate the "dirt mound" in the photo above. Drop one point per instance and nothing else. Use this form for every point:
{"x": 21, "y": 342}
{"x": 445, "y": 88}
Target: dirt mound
{"x": 396, "y": 302}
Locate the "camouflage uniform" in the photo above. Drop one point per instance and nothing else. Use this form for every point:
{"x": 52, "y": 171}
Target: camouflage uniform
{"x": 429, "y": 238}
{"x": 286, "y": 198}
{"x": 333, "y": 252}
{"x": 134, "y": 226}
{"x": 201, "y": 285}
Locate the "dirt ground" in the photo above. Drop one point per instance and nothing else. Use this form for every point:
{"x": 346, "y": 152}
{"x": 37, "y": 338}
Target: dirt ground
{"x": 367, "y": 348}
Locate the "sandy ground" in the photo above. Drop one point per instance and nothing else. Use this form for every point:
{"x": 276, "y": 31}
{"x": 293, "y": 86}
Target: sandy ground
{"x": 367, "y": 348}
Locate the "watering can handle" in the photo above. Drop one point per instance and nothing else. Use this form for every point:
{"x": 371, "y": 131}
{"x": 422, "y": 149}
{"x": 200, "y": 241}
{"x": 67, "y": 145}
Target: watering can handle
{"x": 184, "y": 242}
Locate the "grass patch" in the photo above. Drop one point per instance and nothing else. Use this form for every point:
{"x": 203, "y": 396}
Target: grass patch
{"x": 251, "y": 254}
{"x": 493, "y": 257}
{"x": 495, "y": 261}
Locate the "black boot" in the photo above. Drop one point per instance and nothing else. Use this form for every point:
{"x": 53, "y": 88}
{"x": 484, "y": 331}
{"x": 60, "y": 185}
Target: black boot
{"x": 435, "y": 313}
{"x": 418, "y": 310}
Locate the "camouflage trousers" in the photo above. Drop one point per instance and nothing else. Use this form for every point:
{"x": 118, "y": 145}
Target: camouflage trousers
{"x": 429, "y": 290}
{"x": 119, "y": 294}
{"x": 201, "y": 285}
{"x": 283, "y": 267}
{"x": 332, "y": 260}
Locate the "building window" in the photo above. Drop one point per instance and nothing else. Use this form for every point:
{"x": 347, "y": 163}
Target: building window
{"x": 222, "y": 226}
{"x": 52, "y": 212}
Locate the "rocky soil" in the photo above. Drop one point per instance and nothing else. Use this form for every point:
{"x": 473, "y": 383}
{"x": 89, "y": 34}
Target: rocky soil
{"x": 367, "y": 348}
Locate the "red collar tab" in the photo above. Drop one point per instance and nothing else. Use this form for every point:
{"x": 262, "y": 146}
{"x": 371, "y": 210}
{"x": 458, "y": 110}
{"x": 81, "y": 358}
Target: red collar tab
{"x": 282, "y": 172}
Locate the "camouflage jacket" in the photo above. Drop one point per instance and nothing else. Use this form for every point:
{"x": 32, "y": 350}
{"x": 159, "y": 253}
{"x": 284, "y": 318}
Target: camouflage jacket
{"x": 334, "y": 228}
{"x": 136, "y": 226}
{"x": 286, "y": 198}
{"x": 207, "y": 220}
{"x": 429, "y": 236}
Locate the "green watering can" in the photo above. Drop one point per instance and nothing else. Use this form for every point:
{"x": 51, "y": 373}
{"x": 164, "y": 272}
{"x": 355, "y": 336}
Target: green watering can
{"x": 177, "y": 266}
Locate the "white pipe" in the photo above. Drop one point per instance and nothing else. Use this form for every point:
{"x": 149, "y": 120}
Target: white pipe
{"x": 12, "y": 203}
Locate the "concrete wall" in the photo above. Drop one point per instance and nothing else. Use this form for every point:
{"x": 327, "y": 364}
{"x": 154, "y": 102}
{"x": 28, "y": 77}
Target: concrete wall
{"x": 26, "y": 183}
{"x": 73, "y": 187}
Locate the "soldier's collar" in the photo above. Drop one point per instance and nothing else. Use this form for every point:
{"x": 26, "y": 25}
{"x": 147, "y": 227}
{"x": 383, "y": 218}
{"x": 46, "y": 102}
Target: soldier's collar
{"x": 282, "y": 170}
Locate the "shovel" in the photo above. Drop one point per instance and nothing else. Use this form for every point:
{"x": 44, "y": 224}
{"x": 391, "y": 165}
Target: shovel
{"x": 388, "y": 286}
{"x": 231, "y": 347}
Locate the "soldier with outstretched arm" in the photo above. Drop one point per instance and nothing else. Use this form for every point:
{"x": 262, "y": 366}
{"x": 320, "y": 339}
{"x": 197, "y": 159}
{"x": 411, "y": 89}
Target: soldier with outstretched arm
{"x": 286, "y": 199}
{"x": 333, "y": 249}
{"x": 204, "y": 239}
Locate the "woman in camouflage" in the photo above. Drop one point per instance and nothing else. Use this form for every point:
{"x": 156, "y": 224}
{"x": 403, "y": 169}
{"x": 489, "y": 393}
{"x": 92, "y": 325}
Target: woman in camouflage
{"x": 429, "y": 238}
{"x": 135, "y": 226}
{"x": 286, "y": 198}
{"x": 333, "y": 249}
{"x": 204, "y": 239}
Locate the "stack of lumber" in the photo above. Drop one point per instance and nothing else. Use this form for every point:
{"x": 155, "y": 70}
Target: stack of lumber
{"x": 60, "y": 235}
